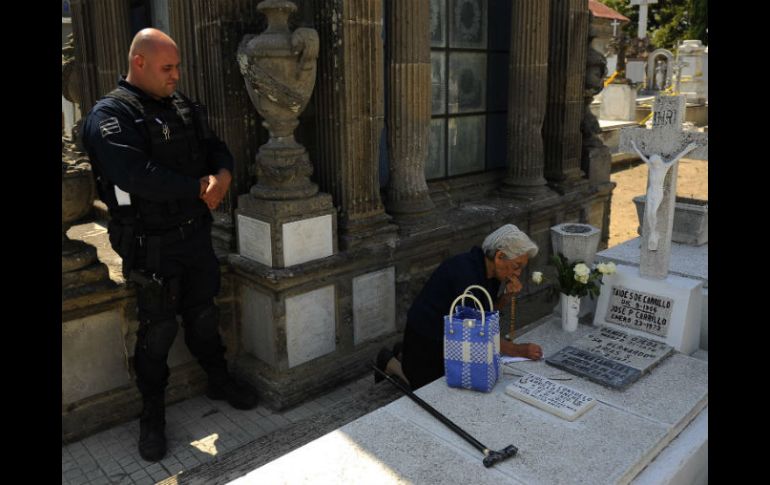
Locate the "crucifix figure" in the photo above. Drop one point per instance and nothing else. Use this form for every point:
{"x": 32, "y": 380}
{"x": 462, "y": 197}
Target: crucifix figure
{"x": 661, "y": 147}
{"x": 658, "y": 168}
{"x": 642, "y": 31}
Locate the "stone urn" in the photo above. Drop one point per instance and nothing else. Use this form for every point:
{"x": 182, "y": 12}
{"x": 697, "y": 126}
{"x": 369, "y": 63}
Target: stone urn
{"x": 577, "y": 242}
{"x": 279, "y": 68}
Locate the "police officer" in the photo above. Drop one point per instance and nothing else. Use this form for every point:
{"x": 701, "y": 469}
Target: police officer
{"x": 160, "y": 169}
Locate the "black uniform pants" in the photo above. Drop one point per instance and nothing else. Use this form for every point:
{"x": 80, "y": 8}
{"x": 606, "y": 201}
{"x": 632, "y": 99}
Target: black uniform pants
{"x": 190, "y": 276}
{"x": 422, "y": 359}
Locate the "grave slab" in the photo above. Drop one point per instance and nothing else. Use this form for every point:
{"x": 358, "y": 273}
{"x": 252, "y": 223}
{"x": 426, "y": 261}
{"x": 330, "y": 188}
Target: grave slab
{"x": 634, "y": 351}
{"x": 613, "y": 443}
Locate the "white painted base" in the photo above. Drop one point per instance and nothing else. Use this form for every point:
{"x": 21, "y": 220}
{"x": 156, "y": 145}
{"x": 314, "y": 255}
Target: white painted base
{"x": 684, "y": 322}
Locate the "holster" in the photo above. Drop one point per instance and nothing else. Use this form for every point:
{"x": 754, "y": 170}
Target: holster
{"x": 155, "y": 294}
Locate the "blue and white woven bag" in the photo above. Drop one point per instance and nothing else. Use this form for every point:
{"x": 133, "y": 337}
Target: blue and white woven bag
{"x": 472, "y": 344}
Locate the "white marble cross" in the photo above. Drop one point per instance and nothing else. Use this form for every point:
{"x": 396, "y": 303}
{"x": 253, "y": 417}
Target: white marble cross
{"x": 615, "y": 24}
{"x": 661, "y": 148}
{"x": 642, "y": 31}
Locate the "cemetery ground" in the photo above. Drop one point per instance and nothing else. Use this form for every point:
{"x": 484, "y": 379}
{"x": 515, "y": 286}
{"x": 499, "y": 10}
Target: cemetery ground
{"x": 209, "y": 442}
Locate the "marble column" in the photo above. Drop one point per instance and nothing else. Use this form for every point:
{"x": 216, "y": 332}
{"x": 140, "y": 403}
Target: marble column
{"x": 350, "y": 116}
{"x": 102, "y": 38}
{"x": 566, "y": 72}
{"x": 407, "y": 52}
{"x": 527, "y": 94}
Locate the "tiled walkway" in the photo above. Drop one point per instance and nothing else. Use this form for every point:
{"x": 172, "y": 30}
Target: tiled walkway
{"x": 197, "y": 430}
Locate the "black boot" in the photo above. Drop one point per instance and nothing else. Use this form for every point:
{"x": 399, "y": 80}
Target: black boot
{"x": 237, "y": 395}
{"x": 152, "y": 423}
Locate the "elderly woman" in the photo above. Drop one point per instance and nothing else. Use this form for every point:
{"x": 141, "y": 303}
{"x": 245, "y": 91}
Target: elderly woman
{"x": 496, "y": 266}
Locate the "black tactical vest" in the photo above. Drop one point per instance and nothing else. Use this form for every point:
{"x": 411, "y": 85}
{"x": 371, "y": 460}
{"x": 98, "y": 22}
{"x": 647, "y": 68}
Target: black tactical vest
{"x": 174, "y": 143}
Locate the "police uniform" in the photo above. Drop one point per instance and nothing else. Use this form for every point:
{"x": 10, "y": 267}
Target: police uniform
{"x": 148, "y": 156}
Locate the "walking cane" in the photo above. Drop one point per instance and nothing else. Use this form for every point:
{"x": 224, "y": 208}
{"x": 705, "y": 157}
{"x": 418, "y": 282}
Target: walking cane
{"x": 490, "y": 456}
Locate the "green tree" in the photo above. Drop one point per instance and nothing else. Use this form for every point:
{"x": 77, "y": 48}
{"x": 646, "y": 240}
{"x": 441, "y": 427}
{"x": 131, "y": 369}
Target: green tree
{"x": 668, "y": 22}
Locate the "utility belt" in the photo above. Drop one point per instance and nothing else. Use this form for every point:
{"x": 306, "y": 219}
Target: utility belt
{"x": 126, "y": 239}
{"x": 152, "y": 240}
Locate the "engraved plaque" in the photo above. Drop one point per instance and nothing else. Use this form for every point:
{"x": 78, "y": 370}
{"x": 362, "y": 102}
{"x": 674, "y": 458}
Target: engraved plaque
{"x": 631, "y": 350}
{"x": 374, "y": 304}
{"x": 594, "y": 367}
{"x": 254, "y": 240}
{"x": 557, "y": 399}
{"x": 638, "y": 310}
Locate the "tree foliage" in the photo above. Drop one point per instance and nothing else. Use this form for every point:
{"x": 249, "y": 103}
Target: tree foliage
{"x": 668, "y": 22}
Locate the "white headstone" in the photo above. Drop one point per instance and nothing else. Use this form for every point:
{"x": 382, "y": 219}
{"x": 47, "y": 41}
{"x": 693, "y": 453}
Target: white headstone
{"x": 374, "y": 304}
{"x": 618, "y": 103}
{"x": 311, "y": 329}
{"x": 667, "y": 310}
{"x": 545, "y": 394}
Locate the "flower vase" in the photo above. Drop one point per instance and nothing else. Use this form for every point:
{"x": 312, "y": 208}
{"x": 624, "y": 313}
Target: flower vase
{"x": 570, "y": 306}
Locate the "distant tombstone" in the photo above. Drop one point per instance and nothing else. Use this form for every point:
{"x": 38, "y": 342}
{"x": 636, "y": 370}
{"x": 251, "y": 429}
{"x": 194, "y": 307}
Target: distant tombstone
{"x": 692, "y": 85}
{"x": 635, "y": 70}
{"x": 545, "y": 394}
{"x": 642, "y": 30}
{"x": 659, "y": 70}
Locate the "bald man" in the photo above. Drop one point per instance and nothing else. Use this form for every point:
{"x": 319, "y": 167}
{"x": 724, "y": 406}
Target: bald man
{"x": 160, "y": 170}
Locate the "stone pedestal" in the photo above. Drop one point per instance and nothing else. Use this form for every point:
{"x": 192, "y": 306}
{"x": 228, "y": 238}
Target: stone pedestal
{"x": 667, "y": 310}
{"x": 279, "y": 234}
{"x": 577, "y": 242}
{"x": 618, "y": 103}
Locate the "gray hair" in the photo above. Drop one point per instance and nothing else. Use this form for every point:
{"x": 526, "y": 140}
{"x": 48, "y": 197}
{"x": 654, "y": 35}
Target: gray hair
{"x": 511, "y": 241}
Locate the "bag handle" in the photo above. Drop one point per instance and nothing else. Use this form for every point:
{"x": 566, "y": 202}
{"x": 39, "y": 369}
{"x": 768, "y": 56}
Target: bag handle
{"x": 466, "y": 292}
{"x": 478, "y": 303}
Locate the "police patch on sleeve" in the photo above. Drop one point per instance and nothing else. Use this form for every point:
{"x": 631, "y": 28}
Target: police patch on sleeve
{"x": 109, "y": 126}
